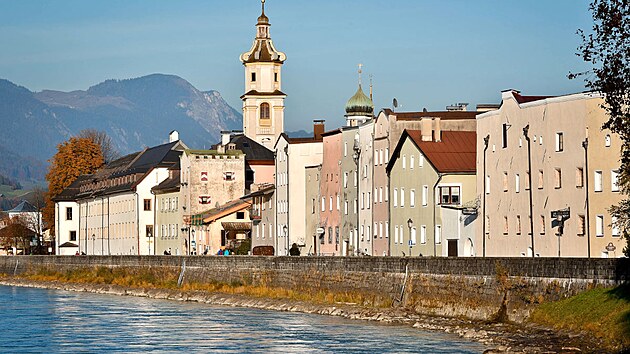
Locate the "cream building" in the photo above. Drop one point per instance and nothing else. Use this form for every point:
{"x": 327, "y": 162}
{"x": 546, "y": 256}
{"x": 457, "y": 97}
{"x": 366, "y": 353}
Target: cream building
{"x": 312, "y": 209}
{"x": 293, "y": 155}
{"x": 263, "y": 100}
{"x": 168, "y": 215}
{"x": 574, "y": 166}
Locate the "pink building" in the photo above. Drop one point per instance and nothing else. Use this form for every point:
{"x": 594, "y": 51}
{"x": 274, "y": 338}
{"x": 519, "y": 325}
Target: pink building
{"x": 330, "y": 195}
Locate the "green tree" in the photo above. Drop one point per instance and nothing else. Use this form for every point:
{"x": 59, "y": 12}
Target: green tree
{"x": 76, "y": 156}
{"x": 607, "y": 49}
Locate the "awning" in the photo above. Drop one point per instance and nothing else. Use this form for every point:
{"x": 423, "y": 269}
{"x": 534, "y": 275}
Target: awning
{"x": 236, "y": 226}
{"x": 68, "y": 244}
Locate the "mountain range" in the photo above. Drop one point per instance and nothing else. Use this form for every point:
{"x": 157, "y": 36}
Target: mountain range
{"x": 135, "y": 113}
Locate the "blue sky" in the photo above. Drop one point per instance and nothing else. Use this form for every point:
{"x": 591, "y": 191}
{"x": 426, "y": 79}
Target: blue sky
{"x": 424, "y": 53}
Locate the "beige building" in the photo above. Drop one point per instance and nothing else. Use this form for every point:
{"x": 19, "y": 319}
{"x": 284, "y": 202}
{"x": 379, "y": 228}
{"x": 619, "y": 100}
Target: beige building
{"x": 312, "y": 209}
{"x": 574, "y": 167}
{"x": 293, "y": 155}
{"x": 263, "y": 100}
{"x": 209, "y": 179}
{"x": 431, "y": 173}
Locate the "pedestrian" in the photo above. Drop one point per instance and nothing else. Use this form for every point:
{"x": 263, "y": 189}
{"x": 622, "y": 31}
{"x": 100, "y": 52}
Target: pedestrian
{"x": 294, "y": 250}
{"x": 226, "y": 252}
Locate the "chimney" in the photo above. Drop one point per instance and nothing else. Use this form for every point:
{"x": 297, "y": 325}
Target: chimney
{"x": 225, "y": 137}
{"x": 437, "y": 130}
{"x": 318, "y": 128}
{"x": 173, "y": 136}
{"x": 426, "y": 129}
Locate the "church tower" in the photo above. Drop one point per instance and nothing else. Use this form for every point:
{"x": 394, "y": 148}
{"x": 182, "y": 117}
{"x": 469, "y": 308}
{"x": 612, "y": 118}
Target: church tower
{"x": 263, "y": 101}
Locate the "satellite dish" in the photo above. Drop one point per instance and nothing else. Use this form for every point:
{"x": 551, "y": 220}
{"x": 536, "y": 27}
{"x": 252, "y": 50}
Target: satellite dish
{"x": 395, "y": 103}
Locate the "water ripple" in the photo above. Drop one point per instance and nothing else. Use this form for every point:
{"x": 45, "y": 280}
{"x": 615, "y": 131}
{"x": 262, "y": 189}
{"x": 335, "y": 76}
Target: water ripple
{"x": 39, "y": 320}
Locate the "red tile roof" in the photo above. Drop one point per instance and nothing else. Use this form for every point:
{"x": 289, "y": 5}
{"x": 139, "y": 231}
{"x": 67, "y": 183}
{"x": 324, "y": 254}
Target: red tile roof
{"x": 445, "y": 115}
{"x": 455, "y": 153}
{"x": 524, "y": 99}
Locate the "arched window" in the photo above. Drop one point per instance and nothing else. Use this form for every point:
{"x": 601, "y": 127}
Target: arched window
{"x": 264, "y": 111}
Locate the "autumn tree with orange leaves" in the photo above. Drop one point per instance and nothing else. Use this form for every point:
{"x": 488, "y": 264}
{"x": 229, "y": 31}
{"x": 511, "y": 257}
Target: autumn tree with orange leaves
{"x": 76, "y": 156}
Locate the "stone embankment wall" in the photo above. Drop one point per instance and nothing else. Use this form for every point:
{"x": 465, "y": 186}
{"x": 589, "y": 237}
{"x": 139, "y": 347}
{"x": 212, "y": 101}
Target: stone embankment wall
{"x": 477, "y": 288}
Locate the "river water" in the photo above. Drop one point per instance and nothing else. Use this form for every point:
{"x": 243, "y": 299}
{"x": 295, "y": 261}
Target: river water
{"x": 41, "y": 320}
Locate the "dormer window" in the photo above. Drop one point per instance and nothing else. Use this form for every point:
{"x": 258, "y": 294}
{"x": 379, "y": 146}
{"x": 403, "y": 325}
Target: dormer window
{"x": 228, "y": 176}
{"x": 231, "y": 146}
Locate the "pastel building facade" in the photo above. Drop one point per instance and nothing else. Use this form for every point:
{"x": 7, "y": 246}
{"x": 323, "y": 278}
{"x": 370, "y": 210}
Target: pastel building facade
{"x": 427, "y": 173}
{"x": 293, "y": 155}
{"x": 574, "y": 167}
{"x": 331, "y": 179}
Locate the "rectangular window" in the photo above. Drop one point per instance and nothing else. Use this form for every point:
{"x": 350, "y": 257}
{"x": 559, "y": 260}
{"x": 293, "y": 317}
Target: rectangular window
{"x": 421, "y": 160}
{"x": 73, "y": 235}
{"x": 369, "y": 199}
{"x": 559, "y": 142}
{"x": 504, "y": 141}
{"x": 413, "y": 236}
{"x": 599, "y": 226}
{"x": 330, "y": 203}
{"x": 386, "y": 193}
{"x": 598, "y": 181}
{"x": 362, "y": 200}
{"x": 386, "y": 229}
{"x": 275, "y": 77}
{"x": 404, "y": 162}
{"x": 323, "y": 204}
{"x": 614, "y": 180}
{"x": 425, "y": 195}
{"x": 542, "y": 224}
{"x": 579, "y": 177}
{"x": 541, "y": 179}
{"x": 253, "y": 77}
{"x": 581, "y": 225}
{"x": 338, "y": 203}
{"x": 69, "y": 213}
{"x": 488, "y": 184}
{"x": 518, "y": 224}
{"x": 345, "y": 207}
{"x": 368, "y": 233}
{"x": 411, "y": 161}
{"x": 505, "y": 181}
{"x": 386, "y": 155}
{"x": 375, "y": 195}
{"x": 345, "y": 149}
{"x": 356, "y": 206}
{"x": 345, "y": 180}
{"x": 412, "y": 198}
{"x": 423, "y": 234}
{"x": 356, "y": 177}
{"x": 487, "y": 224}
{"x": 396, "y": 234}
{"x": 395, "y": 197}
{"x": 380, "y": 194}
{"x": 380, "y": 229}
{"x": 402, "y": 197}
{"x": 517, "y": 183}
{"x": 614, "y": 226}
{"x": 149, "y": 230}
{"x": 449, "y": 195}
{"x": 438, "y": 234}
{"x": 505, "y": 225}
{"x": 147, "y": 205}
{"x": 558, "y": 178}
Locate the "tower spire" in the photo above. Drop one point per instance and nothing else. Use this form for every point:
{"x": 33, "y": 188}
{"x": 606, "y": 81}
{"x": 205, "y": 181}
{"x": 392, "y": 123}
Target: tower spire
{"x": 263, "y": 6}
{"x": 360, "y": 71}
{"x": 370, "y": 86}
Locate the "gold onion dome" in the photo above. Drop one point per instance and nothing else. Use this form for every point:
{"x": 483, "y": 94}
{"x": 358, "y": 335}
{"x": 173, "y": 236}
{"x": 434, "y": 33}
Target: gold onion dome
{"x": 359, "y": 104}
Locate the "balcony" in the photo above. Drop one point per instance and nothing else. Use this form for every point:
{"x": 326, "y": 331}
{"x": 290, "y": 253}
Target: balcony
{"x": 255, "y": 214}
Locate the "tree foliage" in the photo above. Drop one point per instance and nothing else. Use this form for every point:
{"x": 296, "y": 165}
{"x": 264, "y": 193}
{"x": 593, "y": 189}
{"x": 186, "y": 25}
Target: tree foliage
{"x": 100, "y": 138}
{"x": 17, "y": 233}
{"x": 74, "y": 157}
{"x": 607, "y": 49}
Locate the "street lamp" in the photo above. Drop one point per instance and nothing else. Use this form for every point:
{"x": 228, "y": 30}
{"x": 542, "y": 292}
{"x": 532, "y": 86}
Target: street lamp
{"x": 410, "y": 224}
{"x": 285, "y": 230}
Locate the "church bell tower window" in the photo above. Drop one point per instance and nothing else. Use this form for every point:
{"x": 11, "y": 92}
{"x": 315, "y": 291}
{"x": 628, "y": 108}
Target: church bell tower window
{"x": 265, "y": 117}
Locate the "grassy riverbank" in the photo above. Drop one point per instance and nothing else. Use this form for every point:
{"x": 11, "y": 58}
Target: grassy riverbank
{"x": 163, "y": 278}
{"x": 603, "y": 313}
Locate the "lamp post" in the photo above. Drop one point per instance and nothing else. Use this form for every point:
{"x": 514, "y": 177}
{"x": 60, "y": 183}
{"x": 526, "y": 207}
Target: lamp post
{"x": 285, "y": 231}
{"x": 93, "y": 245}
{"x": 531, "y": 197}
{"x": 410, "y": 225}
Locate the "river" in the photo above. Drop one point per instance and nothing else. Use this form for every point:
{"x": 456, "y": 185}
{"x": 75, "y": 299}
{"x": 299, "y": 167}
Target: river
{"x": 42, "y": 320}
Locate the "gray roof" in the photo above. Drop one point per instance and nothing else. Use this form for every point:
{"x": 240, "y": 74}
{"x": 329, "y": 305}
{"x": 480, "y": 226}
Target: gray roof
{"x": 23, "y": 207}
{"x": 251, "y": 148}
